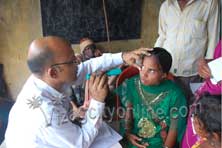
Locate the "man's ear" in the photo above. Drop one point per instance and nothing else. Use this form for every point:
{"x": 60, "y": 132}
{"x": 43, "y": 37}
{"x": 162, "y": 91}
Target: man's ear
{"x": 53, "y": 72}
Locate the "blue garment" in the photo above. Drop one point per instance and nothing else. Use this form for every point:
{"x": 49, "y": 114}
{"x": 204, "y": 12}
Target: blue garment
{"x": 5, "y": 107}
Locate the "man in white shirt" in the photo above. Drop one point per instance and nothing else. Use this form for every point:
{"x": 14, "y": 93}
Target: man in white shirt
{"x": 189, "y": 30}
{"x": 40, "y": 116}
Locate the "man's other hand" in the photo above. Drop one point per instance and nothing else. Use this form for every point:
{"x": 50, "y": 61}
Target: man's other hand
{"x": 98, "y": 87}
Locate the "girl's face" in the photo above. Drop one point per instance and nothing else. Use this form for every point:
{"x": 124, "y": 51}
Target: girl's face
{"x": 151, "y": 73}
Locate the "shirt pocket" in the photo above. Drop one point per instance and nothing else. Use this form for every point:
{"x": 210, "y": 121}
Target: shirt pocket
{"x": 198, "y": 28}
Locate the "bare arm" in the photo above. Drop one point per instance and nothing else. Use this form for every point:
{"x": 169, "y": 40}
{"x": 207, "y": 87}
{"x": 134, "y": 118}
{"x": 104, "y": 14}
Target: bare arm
{"x": 171, "y": 138}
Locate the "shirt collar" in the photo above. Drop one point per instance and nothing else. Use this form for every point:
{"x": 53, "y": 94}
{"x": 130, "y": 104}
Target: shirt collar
{"x": 191, "y": 1}
{"x": 45, "y": 88}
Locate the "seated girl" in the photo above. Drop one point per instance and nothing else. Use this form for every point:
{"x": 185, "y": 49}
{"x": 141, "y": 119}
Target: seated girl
{"x": 155, "y": 107}
{"x": 207, "y": 122}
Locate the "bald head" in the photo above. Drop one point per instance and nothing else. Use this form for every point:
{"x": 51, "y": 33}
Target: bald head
{"x": 43, "y": 51}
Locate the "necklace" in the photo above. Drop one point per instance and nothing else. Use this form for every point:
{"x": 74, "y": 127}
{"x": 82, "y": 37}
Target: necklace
{"x": 148, "y": 128}
{"x": 157, "y": 98}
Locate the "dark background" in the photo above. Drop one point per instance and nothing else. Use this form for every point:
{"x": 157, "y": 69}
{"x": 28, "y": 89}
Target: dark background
{"x": 75, "y": 19}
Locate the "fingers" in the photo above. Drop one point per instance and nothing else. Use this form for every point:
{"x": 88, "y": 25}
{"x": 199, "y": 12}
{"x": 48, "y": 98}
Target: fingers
{"x": 82, "y": 111}
{"x": 144, "y": 51}
{"x": 137, "y": 144}
{"x": 97, "y": 53}
{"x": 98, "y": 86}
{"x": 205, "y": 72}
{"x": 137, "y": 66}
{"x": 92, "y": 79}
{"x": 130, "y": 57}
{"x": 206, "y": 69}
{"x": 138, "y": 63}
{"x": 134, "y": 57}
{"x": 144, "y": 145}
{"x": 74, "y": 107}
{"x": 104, "y": 81}
{"x": 96, "y": 77}
{"x": 203, "y": 69}
{"x": 137, "y": 141}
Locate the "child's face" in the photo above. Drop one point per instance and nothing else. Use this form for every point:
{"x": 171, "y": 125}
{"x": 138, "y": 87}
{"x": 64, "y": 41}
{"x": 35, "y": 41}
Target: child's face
{"x": 88, "y": 52}
{"x": 151, "y": 73}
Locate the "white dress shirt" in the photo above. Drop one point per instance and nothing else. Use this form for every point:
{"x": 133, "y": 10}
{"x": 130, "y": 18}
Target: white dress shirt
{"x": 188, "y": 34}
{"x": 40, "y": 115}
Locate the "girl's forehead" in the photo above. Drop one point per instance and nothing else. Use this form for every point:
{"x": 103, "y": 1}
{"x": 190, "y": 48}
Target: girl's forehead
{"x": 150, "y": 60}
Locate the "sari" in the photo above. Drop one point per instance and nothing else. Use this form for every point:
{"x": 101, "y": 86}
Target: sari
{"x": 165, "y": 101}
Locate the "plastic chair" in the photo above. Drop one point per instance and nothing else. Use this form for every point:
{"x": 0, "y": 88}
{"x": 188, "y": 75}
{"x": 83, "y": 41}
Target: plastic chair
{"x": 127, "y": 73}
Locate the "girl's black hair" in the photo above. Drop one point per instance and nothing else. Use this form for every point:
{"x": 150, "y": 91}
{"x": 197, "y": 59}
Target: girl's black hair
{"x": 164, "y": 58}
{"x": 208, "y": 111}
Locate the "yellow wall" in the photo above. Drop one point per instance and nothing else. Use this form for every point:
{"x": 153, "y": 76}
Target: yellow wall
{"x": 20, "y": 23}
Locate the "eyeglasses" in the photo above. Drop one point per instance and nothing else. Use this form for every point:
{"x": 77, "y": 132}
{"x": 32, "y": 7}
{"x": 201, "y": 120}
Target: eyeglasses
{"x": 66, "y": 63}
